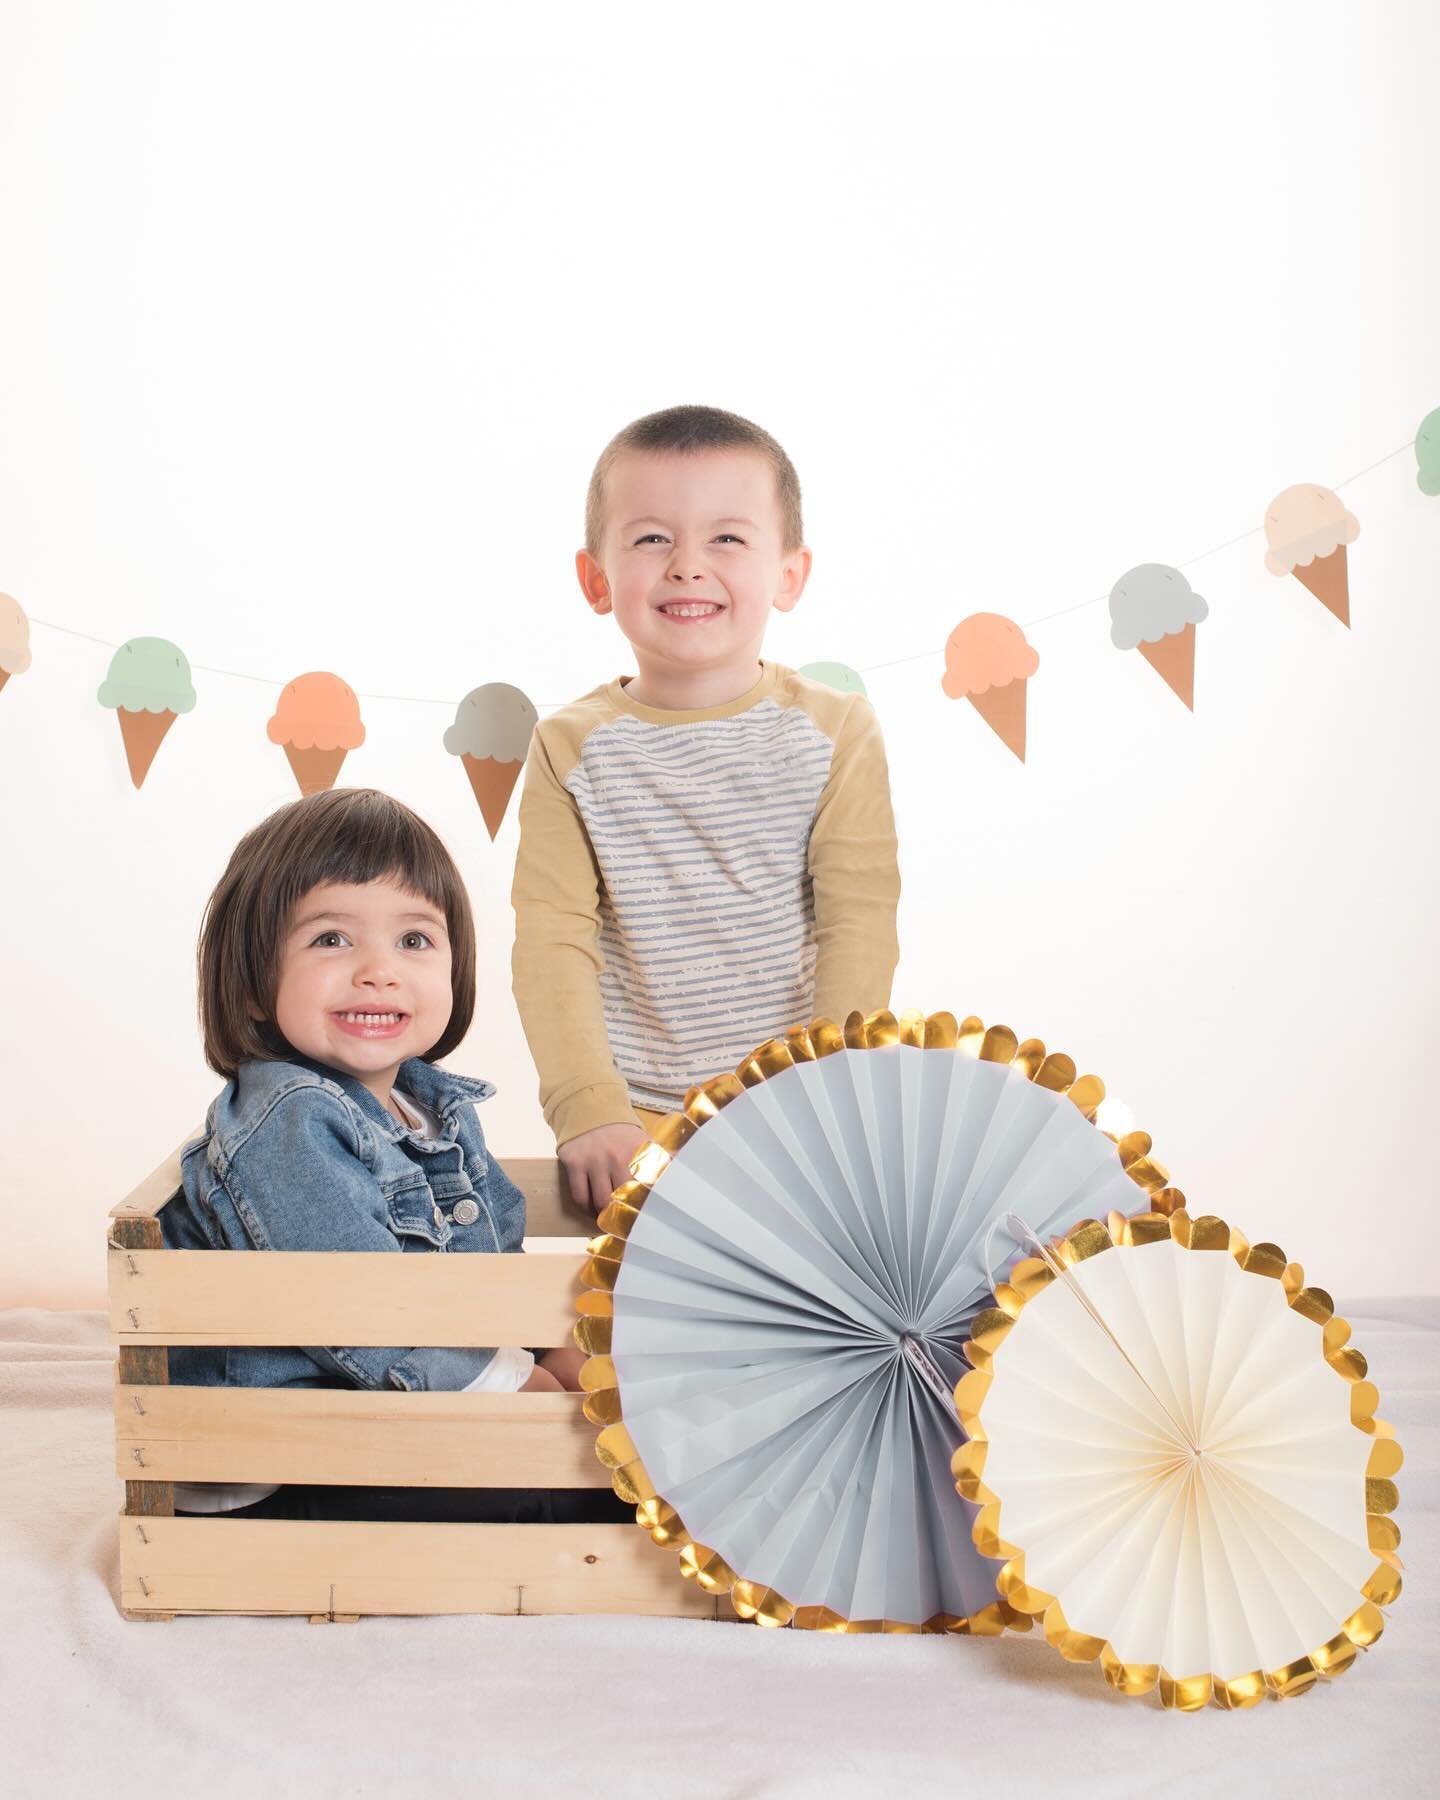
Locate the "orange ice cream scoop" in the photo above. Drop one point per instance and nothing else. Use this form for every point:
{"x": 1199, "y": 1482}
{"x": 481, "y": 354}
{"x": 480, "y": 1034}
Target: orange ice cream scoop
{"x": 317, "y": 721}
{"x": 988, "y": 662}
{"x": 986, "y": 651}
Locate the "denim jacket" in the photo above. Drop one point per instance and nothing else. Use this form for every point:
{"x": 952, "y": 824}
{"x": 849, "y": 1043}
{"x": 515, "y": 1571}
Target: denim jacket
{"x": 298, "y": 1156}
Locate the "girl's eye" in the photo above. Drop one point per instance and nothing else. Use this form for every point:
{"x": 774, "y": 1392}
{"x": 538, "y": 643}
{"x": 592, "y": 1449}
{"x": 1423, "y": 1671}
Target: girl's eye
{"x": 329, "y": 940}
{"x": 415, "y": 940}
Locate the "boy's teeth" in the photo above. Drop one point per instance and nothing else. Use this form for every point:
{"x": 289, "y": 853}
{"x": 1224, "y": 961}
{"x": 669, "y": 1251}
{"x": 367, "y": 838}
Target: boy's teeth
{"x": 697, "y": 611}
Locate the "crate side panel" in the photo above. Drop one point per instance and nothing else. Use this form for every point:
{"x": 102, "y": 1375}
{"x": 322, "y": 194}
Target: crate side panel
{"x": 349, "y": 1567}
{"x": 338, "y": 1436}
{"x": 344, "y": 1297}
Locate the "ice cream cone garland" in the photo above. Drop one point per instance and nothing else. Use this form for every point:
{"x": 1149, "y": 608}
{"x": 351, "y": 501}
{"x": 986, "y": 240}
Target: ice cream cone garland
{"x": 1308, "y": 529}
{"x": 1427, "y": 453}
{"x": 14, "y": 639}
{"x": 491, "y": 736}
{"x": 1308, "y": 532}
{"x": 317, "y": 723}
{"x": 988, "y": 663}
{"x": 148, "y": 685}
{"x": 1153, "y": 610}
{"x": 839, "y": 676}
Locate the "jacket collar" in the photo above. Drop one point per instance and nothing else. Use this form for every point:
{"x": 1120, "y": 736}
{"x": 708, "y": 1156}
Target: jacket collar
{"x": 443, "y": 1092}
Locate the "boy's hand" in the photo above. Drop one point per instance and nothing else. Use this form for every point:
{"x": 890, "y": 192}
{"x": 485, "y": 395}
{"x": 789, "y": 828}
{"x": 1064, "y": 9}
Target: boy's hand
{"x": 597, "y": 1162}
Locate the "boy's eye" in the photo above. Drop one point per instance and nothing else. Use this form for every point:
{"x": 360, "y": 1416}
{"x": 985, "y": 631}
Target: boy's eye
{"x": 730, "y": 535}
{"x": 650, "y": 537}
{"x": 415, "y": 940}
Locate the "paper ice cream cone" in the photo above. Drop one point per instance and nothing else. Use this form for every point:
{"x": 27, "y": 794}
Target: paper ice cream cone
{"x": 314, "y": 770}
{"x": 494, "y": 783}
{"x": 1328, "y": 579}
{"x": 1172, "y": 657}
{"x": 1003, "y": 710}
{"x": 4, "y": 677}
{"x": 143, "y": 733}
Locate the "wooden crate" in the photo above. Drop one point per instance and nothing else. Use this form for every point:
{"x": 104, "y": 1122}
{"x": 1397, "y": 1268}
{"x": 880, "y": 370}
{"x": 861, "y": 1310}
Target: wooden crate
{"x": 340, "y": 1569}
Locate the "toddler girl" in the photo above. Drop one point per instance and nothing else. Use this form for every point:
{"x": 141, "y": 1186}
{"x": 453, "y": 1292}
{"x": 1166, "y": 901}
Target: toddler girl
{"x": 337, "y": 966}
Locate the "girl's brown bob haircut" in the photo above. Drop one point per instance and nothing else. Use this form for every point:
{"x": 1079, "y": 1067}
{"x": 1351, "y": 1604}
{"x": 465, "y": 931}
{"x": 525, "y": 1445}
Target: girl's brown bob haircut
{"x": 350, "y": 835}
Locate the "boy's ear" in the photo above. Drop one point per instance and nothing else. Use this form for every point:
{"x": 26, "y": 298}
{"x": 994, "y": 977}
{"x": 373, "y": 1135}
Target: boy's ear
{"x": 794, "y": 573}
{"x": 593, "y": 584}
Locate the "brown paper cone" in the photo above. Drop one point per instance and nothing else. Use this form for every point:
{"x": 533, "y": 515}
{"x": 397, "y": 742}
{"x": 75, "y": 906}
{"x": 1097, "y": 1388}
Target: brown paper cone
{"x": 1003, "y": 710}
{"x": 1173, "y": 660}
{"x": 143, "y": 733}
{"x": 4, "y": 677}
{"x": 1328, "y": 579}
{"x": 494, "y": 783}
{"x": 314, "y": 770}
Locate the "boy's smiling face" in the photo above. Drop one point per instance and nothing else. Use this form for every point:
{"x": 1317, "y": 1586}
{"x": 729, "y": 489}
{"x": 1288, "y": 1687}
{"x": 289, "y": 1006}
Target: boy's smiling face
{"x": 692, "y": 562}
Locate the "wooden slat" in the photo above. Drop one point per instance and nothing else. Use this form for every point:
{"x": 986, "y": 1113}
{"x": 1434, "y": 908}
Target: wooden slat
{"x": 315, "y": 1297}
{"x": 319, "y": 1435}
{"x": 549, "y": 1210}
{"x": 146, "y": 1199}
{"x": 143, "y": 1367}
{"x": 348, "y": 1567}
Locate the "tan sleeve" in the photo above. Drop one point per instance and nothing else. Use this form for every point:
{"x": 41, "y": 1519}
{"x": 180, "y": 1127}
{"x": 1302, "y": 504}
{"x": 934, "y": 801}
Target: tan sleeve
{"x": 856, "y": 875}
{"x": 556, "y": 962}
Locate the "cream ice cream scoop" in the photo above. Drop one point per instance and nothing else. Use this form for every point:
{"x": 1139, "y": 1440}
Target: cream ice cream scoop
{"x": 988, "y": 662}
{"x": 1153, "y": 609}
{"x": 1427, "y": 453}
{"x": 148, "y": 684}
{"x": 491, "y": 736}
{"x": 14, "y": 639}
{"x": 1308, "y": 529}
{"x": 317, "y": 721}
{"x": 839, "y": 676}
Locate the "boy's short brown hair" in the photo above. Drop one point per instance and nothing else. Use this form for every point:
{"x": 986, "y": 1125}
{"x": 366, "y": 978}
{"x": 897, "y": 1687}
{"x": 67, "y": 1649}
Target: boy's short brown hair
{"x": 684, "y": 431}
{"x": 345, "y": 835}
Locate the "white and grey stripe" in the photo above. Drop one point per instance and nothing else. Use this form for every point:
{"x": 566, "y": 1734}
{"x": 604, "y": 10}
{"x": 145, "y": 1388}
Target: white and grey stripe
{"x": 707, "y": 916}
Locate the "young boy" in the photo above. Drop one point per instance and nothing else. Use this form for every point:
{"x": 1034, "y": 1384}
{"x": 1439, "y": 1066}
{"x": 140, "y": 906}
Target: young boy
{"x": 707, "y": 851}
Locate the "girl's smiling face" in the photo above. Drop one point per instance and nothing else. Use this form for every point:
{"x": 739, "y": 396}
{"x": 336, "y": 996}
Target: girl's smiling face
{"x": 364, "y": 979}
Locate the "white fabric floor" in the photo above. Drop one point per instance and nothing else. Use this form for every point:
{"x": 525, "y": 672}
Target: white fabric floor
{"x": 212, "y": 1707}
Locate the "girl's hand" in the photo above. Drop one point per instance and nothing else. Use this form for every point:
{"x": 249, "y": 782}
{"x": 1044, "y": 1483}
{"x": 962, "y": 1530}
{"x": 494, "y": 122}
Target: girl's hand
{"x": 597, "y": 1162}
{"x": 541, "y": 1382}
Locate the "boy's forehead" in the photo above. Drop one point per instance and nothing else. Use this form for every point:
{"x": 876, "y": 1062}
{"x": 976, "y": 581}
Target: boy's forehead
{"x": 733, "y": 484}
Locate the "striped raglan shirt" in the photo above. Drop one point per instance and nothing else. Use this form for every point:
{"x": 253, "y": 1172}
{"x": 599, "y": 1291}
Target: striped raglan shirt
{"x": 689, "y": 884}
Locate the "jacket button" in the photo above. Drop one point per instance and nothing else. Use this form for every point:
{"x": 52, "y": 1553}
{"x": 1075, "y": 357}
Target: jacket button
{"x": 466, "y": 1213}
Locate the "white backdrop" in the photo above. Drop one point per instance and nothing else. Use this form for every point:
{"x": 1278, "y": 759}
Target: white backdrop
{"x": 314, "y": 318}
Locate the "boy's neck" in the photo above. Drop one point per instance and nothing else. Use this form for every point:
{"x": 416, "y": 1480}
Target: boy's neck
{"x": 681, "y": 690}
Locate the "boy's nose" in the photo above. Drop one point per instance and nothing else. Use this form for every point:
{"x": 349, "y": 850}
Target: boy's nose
{"x": 686, "y": 564}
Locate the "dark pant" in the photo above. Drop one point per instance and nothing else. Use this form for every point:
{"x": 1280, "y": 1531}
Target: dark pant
{"x": 462, "y": 1506}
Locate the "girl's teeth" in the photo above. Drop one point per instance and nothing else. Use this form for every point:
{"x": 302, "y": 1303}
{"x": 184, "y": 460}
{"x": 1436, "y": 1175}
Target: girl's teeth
{"x": 354, "y": 1018}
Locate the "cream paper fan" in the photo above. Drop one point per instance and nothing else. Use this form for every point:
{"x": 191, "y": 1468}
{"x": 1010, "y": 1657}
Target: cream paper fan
{"x": 793, "y": 1261}
{"x": 1174, "y": 1446}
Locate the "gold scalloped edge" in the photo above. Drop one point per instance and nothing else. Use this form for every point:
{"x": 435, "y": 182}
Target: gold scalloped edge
{"x": 592, "y": 1332}
{"x": 1188, "y": 1693}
